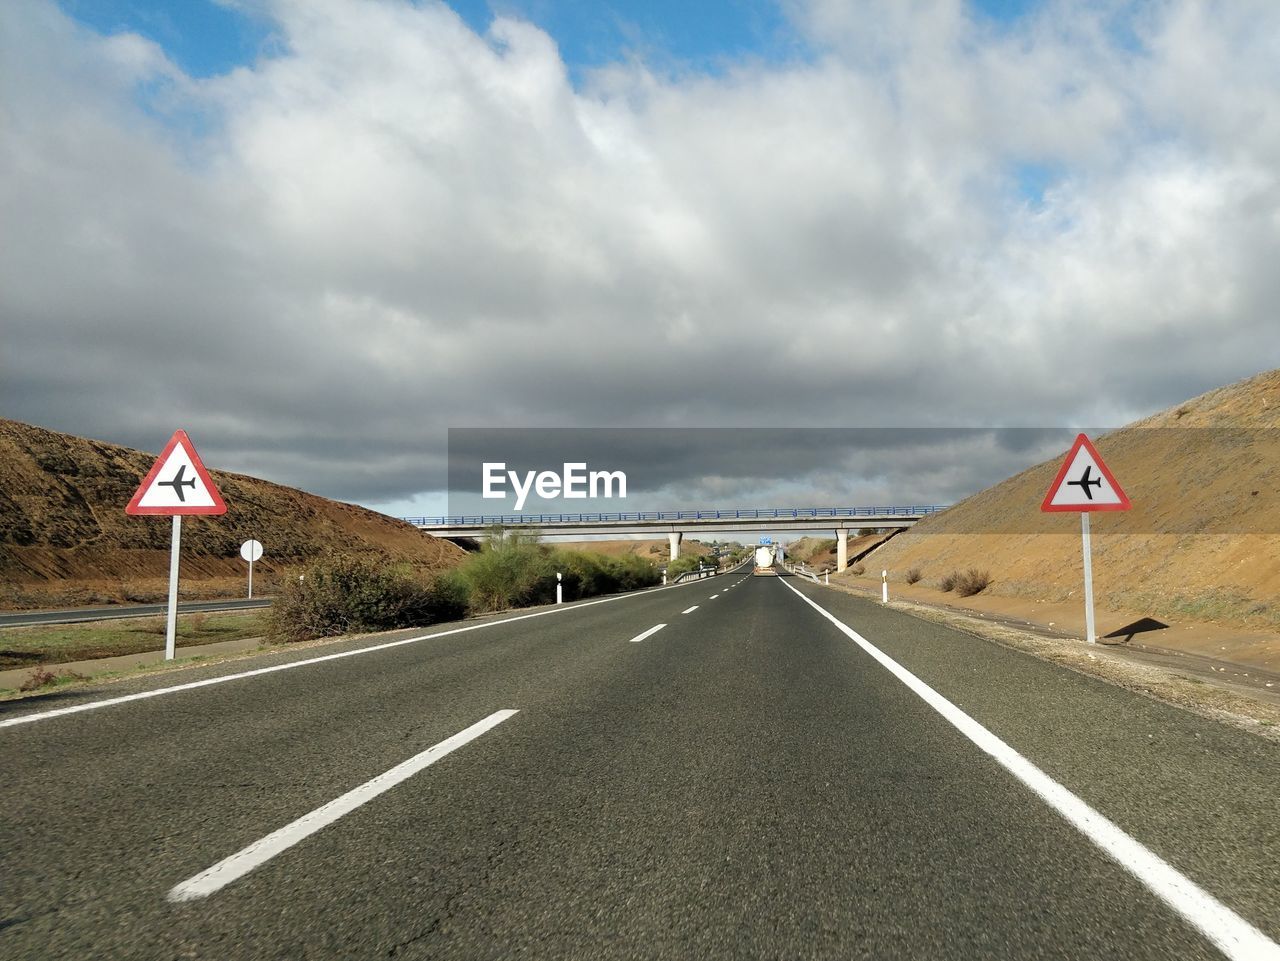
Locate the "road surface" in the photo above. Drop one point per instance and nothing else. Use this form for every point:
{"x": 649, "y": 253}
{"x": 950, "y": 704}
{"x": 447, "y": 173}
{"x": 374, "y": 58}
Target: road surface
{"x": 77, "y": 615}
{"x": 779, "y": 770}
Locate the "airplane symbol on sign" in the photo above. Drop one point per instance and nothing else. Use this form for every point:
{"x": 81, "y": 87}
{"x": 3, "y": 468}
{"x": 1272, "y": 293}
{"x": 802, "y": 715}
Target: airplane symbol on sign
{"x": 1083, "y": 483}
{"x": 178, "y": 483}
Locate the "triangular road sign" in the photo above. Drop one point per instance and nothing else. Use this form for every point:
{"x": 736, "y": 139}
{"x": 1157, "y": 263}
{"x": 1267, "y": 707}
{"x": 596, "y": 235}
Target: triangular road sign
{"x": 177, "y": 484}
{"x": 1084, "y": 483}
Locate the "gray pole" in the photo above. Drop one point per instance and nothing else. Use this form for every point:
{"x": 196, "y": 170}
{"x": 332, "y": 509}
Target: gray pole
{"x": 171, "y": 629}
{"x": 1088, "y": 577}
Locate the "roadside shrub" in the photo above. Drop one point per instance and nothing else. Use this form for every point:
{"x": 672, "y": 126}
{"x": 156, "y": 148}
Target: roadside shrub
{"x": 631, "y": 572}
{"x": 40, "y": 677}
{"x": 857, "y": 570}
{"x": 341, "y": 594}
{"x": 508, "y": 573}
{"x": 588, "y": 575}
{"x": 972, "y": 582}
{"x": 949, "y": 582}
{"x": 43, "y": 677}
{"x": 682, "y": 565}
{"x": 914, "y": 575}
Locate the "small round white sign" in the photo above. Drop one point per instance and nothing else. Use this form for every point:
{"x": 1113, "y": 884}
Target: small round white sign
{"x": 251, "y": 551}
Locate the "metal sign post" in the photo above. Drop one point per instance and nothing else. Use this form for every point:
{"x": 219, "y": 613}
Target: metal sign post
{"x": 1087, "y": 547}
{"x": 251, "y": 551}
{"x": 1076, "y": 488}
{"x": 171, "y": 628}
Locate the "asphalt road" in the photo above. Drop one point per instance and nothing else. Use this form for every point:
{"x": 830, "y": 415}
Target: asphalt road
{"x": 77, "y": 615}
{"x": 748, "y": 781}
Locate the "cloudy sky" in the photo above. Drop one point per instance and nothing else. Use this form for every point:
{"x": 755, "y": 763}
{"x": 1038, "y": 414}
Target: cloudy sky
{"x": 318, "y": 233}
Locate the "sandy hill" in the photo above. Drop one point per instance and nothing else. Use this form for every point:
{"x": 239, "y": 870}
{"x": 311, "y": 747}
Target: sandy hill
{"x": 1203, "y": 539}
{"x": 64, "y": 536}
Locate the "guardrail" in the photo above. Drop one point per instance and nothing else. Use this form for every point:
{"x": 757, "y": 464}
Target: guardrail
{"x": 693, "y": 576}
{"x": 746, "y": 514}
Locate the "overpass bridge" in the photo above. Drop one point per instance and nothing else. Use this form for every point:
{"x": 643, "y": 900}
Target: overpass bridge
{"x": 675, "y": 524}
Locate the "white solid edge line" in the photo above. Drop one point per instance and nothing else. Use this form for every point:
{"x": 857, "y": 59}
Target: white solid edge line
{"x": 690, "y": 610}
{"x": 222, "y": 679}
{"x": 1232, "y": 934}
{"x": 651, "y": 631}
{"x": 259, "y": 852}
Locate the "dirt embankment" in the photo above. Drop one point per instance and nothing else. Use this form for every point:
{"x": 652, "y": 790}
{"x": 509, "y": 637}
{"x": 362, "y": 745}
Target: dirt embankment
{"x": 819, "y": 553}
{"x": 1201, "y": 545}
{"x": 65, "y": 539}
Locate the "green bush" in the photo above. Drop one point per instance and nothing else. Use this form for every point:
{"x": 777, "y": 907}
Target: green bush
{"x": 682, "y": 565}
{"x": 508, "y": 573}
{"x": 519, "y": 572}
{"x": 341, "y": 594}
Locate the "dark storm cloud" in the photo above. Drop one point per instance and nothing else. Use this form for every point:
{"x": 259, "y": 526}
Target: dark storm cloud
{"x": 318, "y": 263}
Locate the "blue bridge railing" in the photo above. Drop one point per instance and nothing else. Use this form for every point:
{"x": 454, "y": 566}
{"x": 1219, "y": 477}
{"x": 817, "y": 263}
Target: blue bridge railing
{"x": 745, "y": 514}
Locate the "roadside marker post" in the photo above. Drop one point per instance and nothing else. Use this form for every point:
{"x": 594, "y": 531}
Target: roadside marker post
{"x": 1077, "y": 489}
{"x": 884, "y": 587}
{"x": 168, "y": 491}
{"x": 559, "y": 589}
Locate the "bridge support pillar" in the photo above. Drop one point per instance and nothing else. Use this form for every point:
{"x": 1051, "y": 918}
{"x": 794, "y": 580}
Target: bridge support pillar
{"x": 842, "y": 549}
{"x": 675, "y": 543}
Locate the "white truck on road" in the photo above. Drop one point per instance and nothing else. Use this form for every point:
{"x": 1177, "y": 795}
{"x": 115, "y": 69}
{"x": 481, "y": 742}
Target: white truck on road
{"x": 764, "y": 559}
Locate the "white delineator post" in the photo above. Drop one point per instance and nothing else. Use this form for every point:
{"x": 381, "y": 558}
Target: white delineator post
{"x": 559, "y": 589}
{"x": 171, "y": 628}
{"x": 884, "y": 587}
{"x": 1087, "y": 546}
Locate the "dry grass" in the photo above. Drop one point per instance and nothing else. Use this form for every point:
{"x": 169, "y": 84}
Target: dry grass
{"x": 972, "y": 582}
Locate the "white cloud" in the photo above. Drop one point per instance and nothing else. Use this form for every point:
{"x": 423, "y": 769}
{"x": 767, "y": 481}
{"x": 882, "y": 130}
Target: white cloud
{"x": 318, "y": 262}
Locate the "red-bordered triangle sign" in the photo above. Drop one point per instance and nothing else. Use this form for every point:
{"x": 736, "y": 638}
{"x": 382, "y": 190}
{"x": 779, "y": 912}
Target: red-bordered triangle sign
{"x": 1085, "y": 483}
{"x": 177, "y": 484}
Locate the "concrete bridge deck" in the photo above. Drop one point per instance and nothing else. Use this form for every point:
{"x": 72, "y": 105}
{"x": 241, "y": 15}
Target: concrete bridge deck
{"x": 675, "y": 524}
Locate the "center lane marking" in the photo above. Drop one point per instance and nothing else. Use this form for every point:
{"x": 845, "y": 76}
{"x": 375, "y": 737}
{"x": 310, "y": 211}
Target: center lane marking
{"x": 1233, "y": 935}
{"x": 259, "y": 852}
{"x": 714, "y": 596}
{"x": 649, "y": 633}
{"x": 690, "y": 610}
